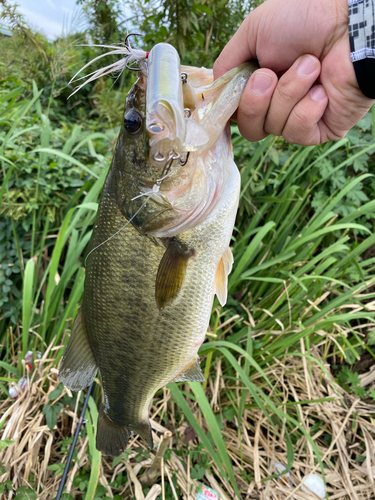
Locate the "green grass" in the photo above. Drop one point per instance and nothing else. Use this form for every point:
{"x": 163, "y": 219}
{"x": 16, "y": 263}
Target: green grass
{"x": 91, "y": 426}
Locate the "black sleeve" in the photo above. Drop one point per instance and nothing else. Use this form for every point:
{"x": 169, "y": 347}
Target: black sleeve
{"x": 362, "y": 43}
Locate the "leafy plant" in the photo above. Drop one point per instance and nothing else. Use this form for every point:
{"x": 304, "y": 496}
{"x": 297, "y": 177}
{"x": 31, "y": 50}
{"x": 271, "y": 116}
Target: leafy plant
{"x": 347, "y": 377}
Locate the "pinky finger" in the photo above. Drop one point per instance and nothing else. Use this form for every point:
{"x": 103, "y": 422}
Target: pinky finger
{"x": 302, "y": 126}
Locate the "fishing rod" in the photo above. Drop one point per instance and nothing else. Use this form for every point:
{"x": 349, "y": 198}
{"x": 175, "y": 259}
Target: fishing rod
{"x": 70, "y": 456}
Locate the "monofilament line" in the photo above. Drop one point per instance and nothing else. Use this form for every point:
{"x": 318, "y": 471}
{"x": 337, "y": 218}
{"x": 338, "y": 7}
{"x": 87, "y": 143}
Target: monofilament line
{"x": 154, "y": 190}
{"x": 119, "y": 231}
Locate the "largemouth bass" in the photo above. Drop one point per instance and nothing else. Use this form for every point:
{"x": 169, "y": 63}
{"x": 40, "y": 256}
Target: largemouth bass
{"x": 160, "y": 247}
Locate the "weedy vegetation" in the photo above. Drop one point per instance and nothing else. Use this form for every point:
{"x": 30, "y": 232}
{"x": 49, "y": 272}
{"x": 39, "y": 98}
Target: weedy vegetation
{"x": 289, "y": 361}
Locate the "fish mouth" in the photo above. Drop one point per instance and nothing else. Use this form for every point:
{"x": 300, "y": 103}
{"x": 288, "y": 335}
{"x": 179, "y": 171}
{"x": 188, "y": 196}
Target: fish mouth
{"x": 185, "y": 175}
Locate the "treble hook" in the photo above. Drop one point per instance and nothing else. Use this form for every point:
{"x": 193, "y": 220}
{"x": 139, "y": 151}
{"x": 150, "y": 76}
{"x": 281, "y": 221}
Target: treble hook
{"x": 131, "y": 69}
{"x": 167, "y": 167}
{"x": 127, "y": 37}
{"x": 184, "y": 162}
{"x": 127, "y": 45}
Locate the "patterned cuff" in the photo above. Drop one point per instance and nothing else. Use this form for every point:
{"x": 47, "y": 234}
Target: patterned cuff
{"x": 362, "y": 43}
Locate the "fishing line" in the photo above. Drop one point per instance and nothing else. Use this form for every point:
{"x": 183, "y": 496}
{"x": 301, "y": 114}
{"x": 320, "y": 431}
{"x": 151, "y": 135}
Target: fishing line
{"x": 155, "y": 189}
{"x": 119, "y": 231}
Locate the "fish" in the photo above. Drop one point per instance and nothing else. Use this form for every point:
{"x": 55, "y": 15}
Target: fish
{"x": 160, "y": 248}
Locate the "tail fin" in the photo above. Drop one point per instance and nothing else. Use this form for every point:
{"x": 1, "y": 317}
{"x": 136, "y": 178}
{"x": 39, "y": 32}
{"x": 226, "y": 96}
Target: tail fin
{"x": 112, "y": 439}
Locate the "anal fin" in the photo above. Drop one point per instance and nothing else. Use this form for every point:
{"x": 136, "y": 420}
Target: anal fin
{"x": 78, "y": 367}
{"x": 112, "y": 439}
{"x": 171, "y": 272}
{"x": 191, "y": 373}
{"x": 221, "y": 278}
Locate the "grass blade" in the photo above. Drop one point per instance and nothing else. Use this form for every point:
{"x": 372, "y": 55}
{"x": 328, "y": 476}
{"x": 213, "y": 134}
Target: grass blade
{"x": 27, "y": 304}
{"x": 91, "y": 427}
{"x": 215, "y": 431}
{"x": 181, "y": 402}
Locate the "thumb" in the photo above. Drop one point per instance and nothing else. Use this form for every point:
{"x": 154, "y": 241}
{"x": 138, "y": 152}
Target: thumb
{"x": 240, "y": 48}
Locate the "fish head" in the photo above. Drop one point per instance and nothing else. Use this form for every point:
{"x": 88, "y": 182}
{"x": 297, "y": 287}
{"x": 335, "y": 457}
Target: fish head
{"x": 173, "y": 155}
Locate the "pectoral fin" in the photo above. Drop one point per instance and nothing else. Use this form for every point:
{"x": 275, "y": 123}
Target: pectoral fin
{"x": 171, "y": 272}
{"x": 221, "y": 278}
{"x": 192, "y": 373}
{"x": 78, "y": 367}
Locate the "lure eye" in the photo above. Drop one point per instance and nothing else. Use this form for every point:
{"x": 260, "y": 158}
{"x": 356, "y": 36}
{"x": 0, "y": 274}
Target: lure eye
{"x": 156, "y": 128}
{"x": 132, "y": 121}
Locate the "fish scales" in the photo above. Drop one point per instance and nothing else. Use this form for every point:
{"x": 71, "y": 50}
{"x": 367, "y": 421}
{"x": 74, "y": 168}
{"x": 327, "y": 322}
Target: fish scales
{"x": 120, "y": 304}
{"x": 155, "y": 263}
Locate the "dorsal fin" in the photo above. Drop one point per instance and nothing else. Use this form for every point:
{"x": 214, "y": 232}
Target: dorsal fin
{"x": 221, "y": 278}
{"x": 171, "y": 272}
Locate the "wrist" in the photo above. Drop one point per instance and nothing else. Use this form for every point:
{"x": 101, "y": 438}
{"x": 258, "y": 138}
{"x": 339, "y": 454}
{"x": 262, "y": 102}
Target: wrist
{"x": 362, "y": 44}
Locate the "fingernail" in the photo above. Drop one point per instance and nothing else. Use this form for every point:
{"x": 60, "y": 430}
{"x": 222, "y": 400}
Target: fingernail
{"x": 307, "y": 66}
{"x": 261, "y": 82}
{"x": 317, "y": 93}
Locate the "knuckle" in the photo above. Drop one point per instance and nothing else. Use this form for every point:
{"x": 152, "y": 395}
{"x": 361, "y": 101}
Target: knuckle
{"x": 285, "y": 91}
{"x": 313, "y": 141}
{"x": 253, "y": 137}
{"x": 273, "y": 126}
{"x": 296, "y": 135}
{"x": 300, "y": 128}
{"x": 249, "y": 113}
{"x": 301, "y": 118}
{"x": 340, "y": 134}
{"x": 290, "y": 137}
{"x": 293, "y": 139}
{"x": 250, "y": 129}
{"x": 252, "y": 108}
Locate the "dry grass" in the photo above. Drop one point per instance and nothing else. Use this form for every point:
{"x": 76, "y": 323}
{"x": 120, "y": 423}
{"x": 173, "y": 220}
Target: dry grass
{"x": 343, "y": 429}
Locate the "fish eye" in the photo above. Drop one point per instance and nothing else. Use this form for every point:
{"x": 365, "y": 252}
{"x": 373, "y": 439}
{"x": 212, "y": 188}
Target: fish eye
{"x": 132, "y": 121}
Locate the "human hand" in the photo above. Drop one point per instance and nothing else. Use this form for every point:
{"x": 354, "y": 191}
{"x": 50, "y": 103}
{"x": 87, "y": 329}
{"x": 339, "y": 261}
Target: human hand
{"x": 317, "y": 97}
